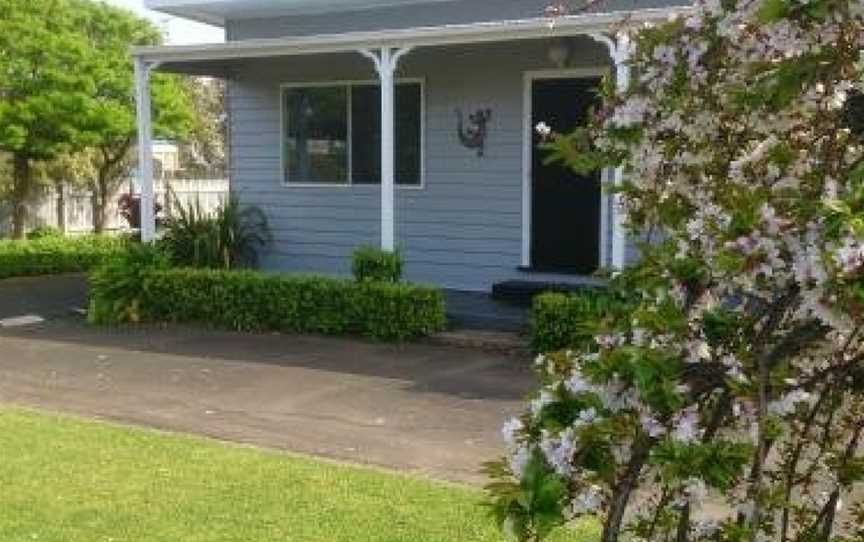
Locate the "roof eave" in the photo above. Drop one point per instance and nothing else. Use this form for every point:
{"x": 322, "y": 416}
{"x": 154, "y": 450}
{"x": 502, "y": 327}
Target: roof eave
{"x": 410, "y": 37}
{"x": 194, "y": 15}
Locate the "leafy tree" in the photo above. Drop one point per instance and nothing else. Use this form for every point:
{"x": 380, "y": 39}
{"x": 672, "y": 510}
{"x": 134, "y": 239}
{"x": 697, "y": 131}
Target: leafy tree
{"x": 68, "y": 85}
{"x": 46, "y": 89}
{"x": 735, "y": 378}
{"x": 112, "y": 32}
{"x": 203, "y": 153}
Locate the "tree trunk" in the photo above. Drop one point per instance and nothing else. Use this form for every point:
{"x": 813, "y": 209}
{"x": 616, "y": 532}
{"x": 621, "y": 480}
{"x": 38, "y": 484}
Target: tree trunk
{"x": 21, "y": 186}
{"x": 61, "y": 207}
{"x": 621, "y": 496}
{"x": 100, "y": 203}
{"x": 94, "y": 208}
{"x": 98, "y": 214}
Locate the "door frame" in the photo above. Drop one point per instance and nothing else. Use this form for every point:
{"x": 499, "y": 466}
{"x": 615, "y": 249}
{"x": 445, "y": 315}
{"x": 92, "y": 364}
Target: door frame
{"x": 527, "y": 159}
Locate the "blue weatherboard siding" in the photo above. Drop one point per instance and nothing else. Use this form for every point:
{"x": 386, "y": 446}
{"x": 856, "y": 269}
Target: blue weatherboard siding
{"x": 463, "y": 229}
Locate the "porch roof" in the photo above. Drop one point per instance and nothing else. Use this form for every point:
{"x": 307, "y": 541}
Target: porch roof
{"x": 174, "y": 58}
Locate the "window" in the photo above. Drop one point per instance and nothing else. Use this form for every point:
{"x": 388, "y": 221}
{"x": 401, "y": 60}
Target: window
{"x": 332, "y": 134}
{"x": 316, "y": 135}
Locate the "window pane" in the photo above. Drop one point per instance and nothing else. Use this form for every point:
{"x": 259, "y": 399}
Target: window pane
{"x": 316, "y": 135}
{"x": 408, "y": 133}
{"x": 366, "y": 134}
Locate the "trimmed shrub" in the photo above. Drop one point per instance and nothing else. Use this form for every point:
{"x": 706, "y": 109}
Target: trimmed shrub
{"x": 51, "y": 255}
{"x": 253, "y": 301}
{"x": 562, "y": 321}
{"x": 376, "y": 265}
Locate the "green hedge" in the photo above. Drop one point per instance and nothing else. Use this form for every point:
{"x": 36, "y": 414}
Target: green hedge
{"x": 253, "y": 301}
{"x": 52, "y": 255}
{"x": 373, "y": 264}
{"x": 562, "y": 321}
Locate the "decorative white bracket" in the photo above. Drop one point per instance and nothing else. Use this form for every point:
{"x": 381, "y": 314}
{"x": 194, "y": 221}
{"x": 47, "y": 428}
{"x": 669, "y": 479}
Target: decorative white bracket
{"x": 620, "y": 50}
{"x": 145, "y": 147}
{"x": 386, "y": 61}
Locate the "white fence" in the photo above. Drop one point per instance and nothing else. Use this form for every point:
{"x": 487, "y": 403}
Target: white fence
{"x": 209, "y": 193}
{"x": 44, "y": 209}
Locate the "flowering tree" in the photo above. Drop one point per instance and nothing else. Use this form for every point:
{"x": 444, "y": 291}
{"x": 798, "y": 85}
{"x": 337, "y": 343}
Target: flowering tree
{"x": 722, "y": 398}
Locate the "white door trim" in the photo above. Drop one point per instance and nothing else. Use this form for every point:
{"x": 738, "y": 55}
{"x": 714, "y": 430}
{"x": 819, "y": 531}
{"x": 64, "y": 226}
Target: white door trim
{"x": 527, "y": 140}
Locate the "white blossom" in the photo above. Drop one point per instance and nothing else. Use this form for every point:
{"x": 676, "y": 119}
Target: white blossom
{"x": 587, "y": 501}
{"x": 519, "y": 459}
{"x": 543, "y": 129}
{"x": 695, "y": 491}
{"x": 511, "y": 430}
{"x": 789, "y": 402}
{"x": 686, "y": 426}
{"x": 558, "y": 450}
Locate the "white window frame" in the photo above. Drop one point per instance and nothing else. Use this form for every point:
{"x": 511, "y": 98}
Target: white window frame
{"x": 349, "y": 85}
{"x": 527, "y": 160}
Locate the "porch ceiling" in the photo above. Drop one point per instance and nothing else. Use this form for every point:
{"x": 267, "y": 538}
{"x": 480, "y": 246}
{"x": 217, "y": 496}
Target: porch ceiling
{"x": 211, "y": 59}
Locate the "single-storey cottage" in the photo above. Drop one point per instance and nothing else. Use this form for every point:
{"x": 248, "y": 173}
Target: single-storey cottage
{"x": 409, "y": 124}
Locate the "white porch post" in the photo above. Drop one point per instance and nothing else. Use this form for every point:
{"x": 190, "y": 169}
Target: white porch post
{"x": 386, "y": 60}
{"x": 145, "y": 148}
{"x": 620, "y": 51}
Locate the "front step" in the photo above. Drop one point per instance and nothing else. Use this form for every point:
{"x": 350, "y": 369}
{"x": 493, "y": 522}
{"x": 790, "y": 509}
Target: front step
{"x": 522, "y": 292}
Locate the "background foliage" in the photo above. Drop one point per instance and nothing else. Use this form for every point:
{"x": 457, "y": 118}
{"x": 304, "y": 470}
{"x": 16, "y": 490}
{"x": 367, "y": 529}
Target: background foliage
{"x": 51, "y": 254}
{"x": 67, "y": 94}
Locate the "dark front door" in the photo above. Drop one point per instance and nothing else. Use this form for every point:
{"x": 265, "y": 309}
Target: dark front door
{"x": 565, "y": 210}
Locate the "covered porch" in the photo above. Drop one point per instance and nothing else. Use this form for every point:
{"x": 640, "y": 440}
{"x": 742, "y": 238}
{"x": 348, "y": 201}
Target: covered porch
{"x": 419, "y": 219}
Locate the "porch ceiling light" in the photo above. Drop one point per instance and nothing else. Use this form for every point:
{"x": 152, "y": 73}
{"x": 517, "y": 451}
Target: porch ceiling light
{"x": 560, "y": 52}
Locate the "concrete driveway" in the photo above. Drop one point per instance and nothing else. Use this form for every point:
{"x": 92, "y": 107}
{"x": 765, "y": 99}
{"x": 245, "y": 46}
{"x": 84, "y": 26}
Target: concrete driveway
{"x": 48, "y": 297}
{"x": 424, "y": 408}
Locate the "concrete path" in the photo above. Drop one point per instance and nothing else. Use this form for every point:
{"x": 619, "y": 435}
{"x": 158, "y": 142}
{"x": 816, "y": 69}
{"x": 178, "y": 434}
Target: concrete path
{"x": 423, "y": 408}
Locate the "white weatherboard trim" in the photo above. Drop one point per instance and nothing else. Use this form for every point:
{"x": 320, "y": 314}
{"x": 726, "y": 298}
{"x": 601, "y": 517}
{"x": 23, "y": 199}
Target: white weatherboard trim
{"x": 606, "y": 204}
{"x": 350, "y": 83}
{"x": 620, "y": 51}
{"x": 485, "y": 32}
{"x": 527, "y": 151}
{"x": 145, "y": 149}
{"x": 386, "y": 61}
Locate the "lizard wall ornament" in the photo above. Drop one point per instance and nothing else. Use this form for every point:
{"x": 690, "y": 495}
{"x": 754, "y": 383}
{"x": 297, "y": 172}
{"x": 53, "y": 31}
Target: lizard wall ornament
{"x": 473, "y": 136}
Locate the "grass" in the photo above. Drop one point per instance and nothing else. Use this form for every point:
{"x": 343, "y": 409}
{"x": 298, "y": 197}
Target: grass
{"x": 63, "y": 479}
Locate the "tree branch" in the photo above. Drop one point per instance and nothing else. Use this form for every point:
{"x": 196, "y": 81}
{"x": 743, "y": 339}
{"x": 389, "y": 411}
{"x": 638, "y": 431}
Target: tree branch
{"x": 624, "y": 488}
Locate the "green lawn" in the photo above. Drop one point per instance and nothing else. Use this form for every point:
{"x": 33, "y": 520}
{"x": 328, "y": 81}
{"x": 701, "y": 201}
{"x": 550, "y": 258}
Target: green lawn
{"x": 67, "y": 480}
